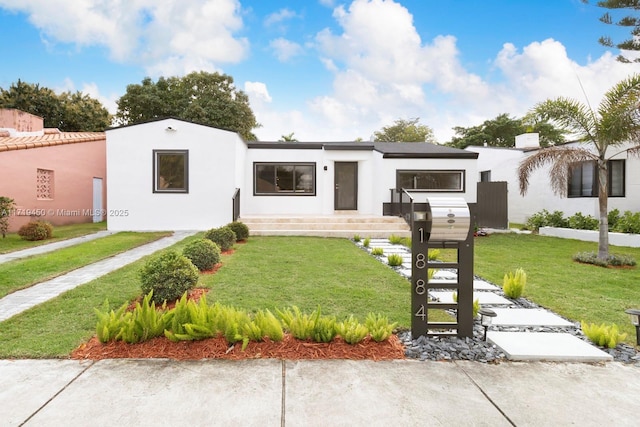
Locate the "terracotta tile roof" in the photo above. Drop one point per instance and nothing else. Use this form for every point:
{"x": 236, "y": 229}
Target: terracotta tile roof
{"x": 49, "y": 139}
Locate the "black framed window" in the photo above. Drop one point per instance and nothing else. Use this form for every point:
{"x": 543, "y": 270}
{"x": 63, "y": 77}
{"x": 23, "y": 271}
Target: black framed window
{"x": 170, "y": 171}
{"x": 431, "y": 180}
{"x": 583, "y": 179}
{"x": 297, "y": 179}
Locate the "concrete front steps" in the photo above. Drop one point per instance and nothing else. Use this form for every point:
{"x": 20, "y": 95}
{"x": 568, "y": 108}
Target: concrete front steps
{"x": 339, "y": 225}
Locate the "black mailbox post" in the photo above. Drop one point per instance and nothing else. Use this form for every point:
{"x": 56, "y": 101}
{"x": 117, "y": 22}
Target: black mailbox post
{"x": 446, "y": 224}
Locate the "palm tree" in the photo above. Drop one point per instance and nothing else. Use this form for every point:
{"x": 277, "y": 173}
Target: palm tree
{"x": 616, "y": 121}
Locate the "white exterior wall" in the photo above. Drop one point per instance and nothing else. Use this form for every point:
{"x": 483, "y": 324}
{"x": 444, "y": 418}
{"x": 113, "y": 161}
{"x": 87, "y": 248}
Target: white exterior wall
{"x": 504, "y": 162}
{"x": 282, "y": 204}
{"x": 212, "y": 177}
{"x": 390, "y": 166}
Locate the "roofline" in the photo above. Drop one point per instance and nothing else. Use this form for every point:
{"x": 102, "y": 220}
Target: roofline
{"x": 26, "y": 145}
{"x": 469, "y": 155}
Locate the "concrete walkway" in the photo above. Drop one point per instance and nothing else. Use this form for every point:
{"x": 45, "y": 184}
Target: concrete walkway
{"x": 19, "y": 301}
{"x": 269, "y": 392}
{"x": 518, "y": 345}
{"x": 49, "y": 247}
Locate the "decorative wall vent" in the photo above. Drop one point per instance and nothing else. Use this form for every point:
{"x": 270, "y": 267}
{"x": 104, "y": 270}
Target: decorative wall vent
{"x": 44, "y": 184}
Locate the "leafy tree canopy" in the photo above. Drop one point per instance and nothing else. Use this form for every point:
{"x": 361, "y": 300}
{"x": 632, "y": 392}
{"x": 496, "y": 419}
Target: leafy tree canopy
{"x": 69, "y": 112}
{"x": 630, "y": 21}
{"x": 502, "y": 132}
{"x": 206, "y": 98}
{"x": 405, "y": 131}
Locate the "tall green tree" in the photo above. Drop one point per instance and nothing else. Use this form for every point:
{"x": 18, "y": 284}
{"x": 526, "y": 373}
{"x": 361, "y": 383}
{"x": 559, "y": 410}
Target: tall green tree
{"x": 405, "y": 131}
{"x": 614, "y": 123}
{"x": 206, "y": 98}
{"x": 630, "y": 20}
{"x": 502, "y": 132}
{"x": 69, "y": 112}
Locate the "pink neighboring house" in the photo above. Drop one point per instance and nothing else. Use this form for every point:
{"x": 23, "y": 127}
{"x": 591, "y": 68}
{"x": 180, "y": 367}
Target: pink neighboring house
{"x": 55, "y": 176}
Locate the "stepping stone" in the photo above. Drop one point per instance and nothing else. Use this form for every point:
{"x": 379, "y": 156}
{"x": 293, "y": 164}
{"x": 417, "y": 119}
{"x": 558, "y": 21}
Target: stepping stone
{"x": 485, "y": 298}
{"x": 546, "y": 346}
{"x": 528, "y": 317}
{"x": 445, "y": 275}
{"x": 481, "y": 285}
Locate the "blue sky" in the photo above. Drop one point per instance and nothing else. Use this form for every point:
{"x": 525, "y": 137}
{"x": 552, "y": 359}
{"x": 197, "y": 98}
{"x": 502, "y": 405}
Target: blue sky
{"x": 323, "y": 69}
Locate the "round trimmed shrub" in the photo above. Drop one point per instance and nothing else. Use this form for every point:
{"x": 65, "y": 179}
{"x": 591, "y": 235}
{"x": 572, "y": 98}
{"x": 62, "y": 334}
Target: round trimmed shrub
{"x": 203, "y": 253}
{"x": 169, "y": 276}
{"x": 36, "y": 230}
{"x": 241, "y": 230}
{"x": 224, "y": 237}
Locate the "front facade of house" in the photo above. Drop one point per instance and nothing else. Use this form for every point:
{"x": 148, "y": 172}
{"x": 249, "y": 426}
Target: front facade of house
{"x": 55, "y": 176}
{"x": 175, "y": 175}
{"x": 501, "y": 164}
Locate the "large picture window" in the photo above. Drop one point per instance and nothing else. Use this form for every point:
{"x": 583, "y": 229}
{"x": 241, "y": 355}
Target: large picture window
{"x": 170, "y": 171}
{"x": 583, "y": 179}
{"x": 431, "y": 180}
{"x": 284, "y": 179}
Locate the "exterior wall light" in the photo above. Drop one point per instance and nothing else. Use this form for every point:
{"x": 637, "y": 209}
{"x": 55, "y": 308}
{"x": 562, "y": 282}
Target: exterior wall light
{"x": 486, "y": 318}
{"x": 634, "y": 313}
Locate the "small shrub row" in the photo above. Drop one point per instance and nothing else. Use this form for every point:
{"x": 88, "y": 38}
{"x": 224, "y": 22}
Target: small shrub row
{"x": 603, "y": 335}
{"x": 627, "y": 222}
{"x": 614, "y": 260}
{"x": 36, "y": 230}
{"x": 190, "y": 320}
{"x": 203, "y": 253}
{"x": 168, "y": 276}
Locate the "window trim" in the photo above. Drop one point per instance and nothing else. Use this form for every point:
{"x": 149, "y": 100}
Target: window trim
{"x": 461, "y": 172}
{"x": 594, "y": 185}
{"x": 156, "y": 178}
{"x": 284, "y": 193}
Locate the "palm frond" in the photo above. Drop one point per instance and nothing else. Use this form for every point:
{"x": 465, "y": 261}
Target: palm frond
{"x": 619, "y": 114}
{"x": 560, "y": 159}
{"x": 570, "y": 115}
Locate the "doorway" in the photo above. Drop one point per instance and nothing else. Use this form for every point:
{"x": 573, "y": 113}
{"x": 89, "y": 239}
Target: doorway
{"x": 346, "y": 186}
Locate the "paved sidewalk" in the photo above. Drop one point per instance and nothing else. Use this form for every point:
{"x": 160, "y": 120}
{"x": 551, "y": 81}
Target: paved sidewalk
{"x": 270, "y": 392}
{"x": 19, "y": 301}
{"x": 37, "y": 250}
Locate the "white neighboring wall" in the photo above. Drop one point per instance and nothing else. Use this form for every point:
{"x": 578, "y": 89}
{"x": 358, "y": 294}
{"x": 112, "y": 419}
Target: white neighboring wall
{"x": 213, "y": 159}
{"x": 504, "y": 162}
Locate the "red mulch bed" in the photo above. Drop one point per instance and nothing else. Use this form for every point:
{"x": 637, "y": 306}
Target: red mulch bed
{"x": 216, "y": 348}
{"x": 289, "y": 348}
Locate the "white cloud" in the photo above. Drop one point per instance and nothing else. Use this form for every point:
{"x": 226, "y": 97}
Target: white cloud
{"x": 166, "y": 36}
{"x": 285, "y": 49}
{"x": 279, "y": 17}
{"x": 257, "y": 92}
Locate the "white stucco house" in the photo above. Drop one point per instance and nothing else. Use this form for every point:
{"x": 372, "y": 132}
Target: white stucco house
{"x": 501, "y": 164}
{"x": 171, "y": 174}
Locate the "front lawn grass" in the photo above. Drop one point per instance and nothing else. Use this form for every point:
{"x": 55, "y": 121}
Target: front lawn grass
{"x": 22, "y": 273}
{"x": 56, "y": 327}
{"x": 573, "y": 290}
{"x": 12, "y": 242}
{"x": 278, "y": 272}
{"x": 265, "y": 272}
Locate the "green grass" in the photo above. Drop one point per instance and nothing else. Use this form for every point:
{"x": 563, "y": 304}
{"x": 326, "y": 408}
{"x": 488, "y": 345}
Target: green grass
{"x": 22, "y": 273}
{"x": 270, "y": 272}
{"x": 55, "y": 328}
{"x": 278, "y": 272}
{"x": 13, "y": 242}
{"x": 575, "y": 291}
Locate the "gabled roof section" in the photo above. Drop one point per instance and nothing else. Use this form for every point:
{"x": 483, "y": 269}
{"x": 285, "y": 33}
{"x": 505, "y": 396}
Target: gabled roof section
{"x": 49, "y": 139}
{"x": 160, "y": 119}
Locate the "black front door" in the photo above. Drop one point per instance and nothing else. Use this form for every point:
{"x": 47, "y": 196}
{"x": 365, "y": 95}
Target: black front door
{"x": 346, "y": 186}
